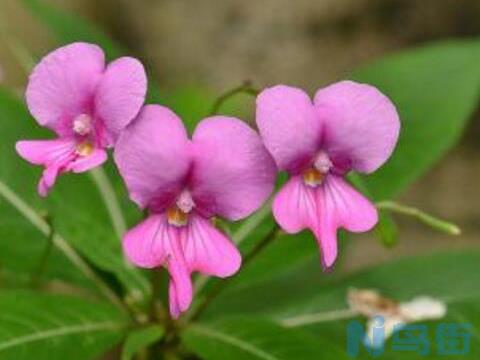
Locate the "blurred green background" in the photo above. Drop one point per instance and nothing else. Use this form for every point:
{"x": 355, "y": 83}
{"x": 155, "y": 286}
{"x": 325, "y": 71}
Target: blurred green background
{"x": 217, "y": 45}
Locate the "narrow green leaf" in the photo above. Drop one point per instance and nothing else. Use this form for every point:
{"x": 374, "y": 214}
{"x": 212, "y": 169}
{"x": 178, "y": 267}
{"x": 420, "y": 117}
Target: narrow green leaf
{"x": 38, "y": 326}
{"x": 138, "y": 340}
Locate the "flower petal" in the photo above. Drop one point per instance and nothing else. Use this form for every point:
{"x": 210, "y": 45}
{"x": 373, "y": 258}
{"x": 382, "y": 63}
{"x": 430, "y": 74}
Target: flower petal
{"x": 153, "y": 157}
{"x": 85, "y": 163}
{"x": 147, "y": 245}
{"x": 208, "y": 250}
{"x": 294, "y": 207}
{"x": 289, "y": 126}
{"x": 340, "y": 206}
{"x": 49, "y": 176}
{"x": 62, "y": 84}
{"x": 233, "y": 173}
{"x": 360, "y": 125}
{"x": 154, "y": 243}
{"x": 55, "y": 155}
{"x": 121, "y": 94}
{"x": 43, "y": 152}
{"x": 180, "y": 290}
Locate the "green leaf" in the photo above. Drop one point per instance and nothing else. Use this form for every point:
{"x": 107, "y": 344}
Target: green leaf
{"x": 91, "y": 232}
{"x": 21, "y": 250}
{"x": 70, "y": 28}
{"x": 140, "y": 339}
{"x": 36, "y": 326}
{"x": 287, "y": 252}
{"x": 435, "y": 89}
{"x": 312, "y": 302}
{"x": 251, "y": 339}
{"x": 448, "y": 276}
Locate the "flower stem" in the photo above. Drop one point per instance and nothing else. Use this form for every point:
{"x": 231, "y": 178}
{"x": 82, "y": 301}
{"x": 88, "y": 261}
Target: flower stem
{"x": 36, "y": 220}
{"x": 245, "y": 88}
{"x": 220, "y": 286}
{"x": 105, "y": 188}
{"x": 433, "y": 222}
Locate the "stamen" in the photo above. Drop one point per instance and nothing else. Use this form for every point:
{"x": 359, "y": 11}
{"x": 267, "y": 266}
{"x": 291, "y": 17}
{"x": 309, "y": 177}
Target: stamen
{"x": 84, "y": 148}
{"x": 315, "y": 175}
{"x": 312, "y": 177}
{"x": 185, "y": 202}
{"x": 177, "y": 217}
{"x": 82, "y": 125}
{"x": 322, "y": 162}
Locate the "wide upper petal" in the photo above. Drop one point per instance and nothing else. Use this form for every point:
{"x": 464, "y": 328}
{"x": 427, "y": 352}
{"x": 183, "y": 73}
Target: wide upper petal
{"x": 360, "y": 125}
{"x": 289, "y": 126}
{"x": 233, "y": 173}
{"x": 208, "y": 250}
{"x": 120, "y": 94}
{"x": 339, "y": 205}
{"x": 63, "y": 83}
{"x": 153, "y": 157}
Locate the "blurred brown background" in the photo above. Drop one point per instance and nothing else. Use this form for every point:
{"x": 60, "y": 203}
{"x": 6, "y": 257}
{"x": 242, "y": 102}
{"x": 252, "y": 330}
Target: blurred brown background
{"x": 308, "y": 43}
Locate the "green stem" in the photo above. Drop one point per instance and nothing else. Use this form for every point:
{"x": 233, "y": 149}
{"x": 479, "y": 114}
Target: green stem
{"x": 434, "y": 222}
{"x": 245, "y": 88}
{"x": 220, "y": 286}
{"x": 105, "y": 188}
{"x": 40, "y": 223}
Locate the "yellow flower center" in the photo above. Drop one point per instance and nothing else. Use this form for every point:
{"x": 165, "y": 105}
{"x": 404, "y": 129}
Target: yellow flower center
{"x": 84, "y": 148}
{"x": 176, "y": 217}
{"x": 312, "y": 177}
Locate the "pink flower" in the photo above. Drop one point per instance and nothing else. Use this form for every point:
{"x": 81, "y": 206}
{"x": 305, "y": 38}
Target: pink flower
{"x": 349, "y": 126}
{"x": 223, "y": 171}
{"x": 86, "y": 103}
